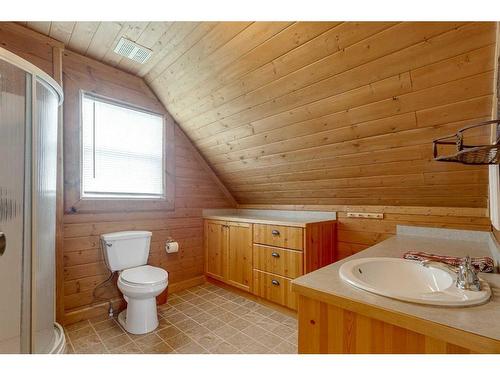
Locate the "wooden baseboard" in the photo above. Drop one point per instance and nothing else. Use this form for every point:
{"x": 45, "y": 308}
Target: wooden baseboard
{"x": 119, "y": 304}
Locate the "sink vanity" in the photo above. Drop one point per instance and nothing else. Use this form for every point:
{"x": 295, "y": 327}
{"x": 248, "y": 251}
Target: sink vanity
{"x": 341, "y": 312}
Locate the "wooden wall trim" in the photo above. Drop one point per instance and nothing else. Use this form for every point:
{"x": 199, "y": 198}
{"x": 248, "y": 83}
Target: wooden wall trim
{"x": 411, "y": 210}
{"x": 57, "y": 53}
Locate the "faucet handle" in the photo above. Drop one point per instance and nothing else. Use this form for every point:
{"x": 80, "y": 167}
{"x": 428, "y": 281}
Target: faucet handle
{"x": 467, "y": 276}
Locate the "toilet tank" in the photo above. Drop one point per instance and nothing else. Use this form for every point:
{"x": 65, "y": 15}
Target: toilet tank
{"x": 124, "y": 250}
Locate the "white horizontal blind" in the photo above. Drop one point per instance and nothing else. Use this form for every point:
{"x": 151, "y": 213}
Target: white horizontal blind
{"x": 122, "y": 151}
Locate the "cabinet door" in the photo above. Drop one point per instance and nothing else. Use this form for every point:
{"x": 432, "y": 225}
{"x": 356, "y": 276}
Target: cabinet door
{"x": 240, "y": 255}
{"x": 216, "y": 249}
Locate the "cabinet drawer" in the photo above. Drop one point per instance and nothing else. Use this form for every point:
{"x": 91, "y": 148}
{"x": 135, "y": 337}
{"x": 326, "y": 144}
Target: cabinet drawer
{"x": 278, "y": 235}
{"x": 274, "y": 288}
{"x": 287, "y": 263}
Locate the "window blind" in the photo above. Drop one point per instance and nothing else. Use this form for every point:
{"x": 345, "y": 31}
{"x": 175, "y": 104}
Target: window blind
{"x": 122, "y": 151}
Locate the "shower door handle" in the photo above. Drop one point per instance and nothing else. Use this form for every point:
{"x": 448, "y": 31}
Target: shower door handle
{"x": 3, "y": 243}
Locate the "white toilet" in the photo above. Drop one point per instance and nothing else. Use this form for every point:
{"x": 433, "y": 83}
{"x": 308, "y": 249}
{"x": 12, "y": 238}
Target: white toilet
{"x": 127, "y": 252}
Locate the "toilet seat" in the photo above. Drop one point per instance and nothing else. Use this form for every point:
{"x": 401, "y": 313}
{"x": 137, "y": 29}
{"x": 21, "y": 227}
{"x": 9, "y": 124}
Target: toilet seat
{"x": 144, "y": 276}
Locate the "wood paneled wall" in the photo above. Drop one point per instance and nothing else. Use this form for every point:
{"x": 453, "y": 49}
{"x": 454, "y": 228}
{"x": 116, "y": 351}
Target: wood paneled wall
{"x": 194, "y": 185}
{"x": 31, "y": 46}
{"x": 335, "y": 113}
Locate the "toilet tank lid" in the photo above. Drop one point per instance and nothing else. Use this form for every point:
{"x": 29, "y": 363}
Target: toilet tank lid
{"x": 125, "y": 235}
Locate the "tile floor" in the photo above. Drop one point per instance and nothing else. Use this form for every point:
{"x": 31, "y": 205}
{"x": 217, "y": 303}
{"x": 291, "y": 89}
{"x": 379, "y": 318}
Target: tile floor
{"x": 202, "y": 319}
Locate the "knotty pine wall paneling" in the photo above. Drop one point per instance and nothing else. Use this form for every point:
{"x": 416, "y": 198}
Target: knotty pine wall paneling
{"x": 344, "y": 117}
{"x": 195, "y": 189}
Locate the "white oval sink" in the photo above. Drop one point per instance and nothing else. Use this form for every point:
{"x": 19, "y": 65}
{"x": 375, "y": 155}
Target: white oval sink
{"x": 408, "y": 280}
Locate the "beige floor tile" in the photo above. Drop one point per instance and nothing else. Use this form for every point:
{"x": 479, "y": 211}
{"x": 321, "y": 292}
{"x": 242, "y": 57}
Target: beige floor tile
{"x": 283, "y": 331}
{"x": 256, "y": 348}
{"x": 76, "y": 326}
{"x": 196, "y": 331}
{"x": 191, "y": 311}
{"x": 176, "y": 318}
{"x": 117, "y": 341}
{"x": 86, "y": 341}
{"x": 279, "y": 317}
{"x": 82, "y": 332}
{"x": 223, "y": 348}
{"x": 168, "y": 332}
{"x": 225, "y": 331}
{"x": 178, "y": 341}
{"x": 101, "y": 318}
{"x": 227, "y": 316}
{"x": 293, "y": 338}
{"x": 263, "y": 310}
{"x": 106, "y": 324}
{"x": 202, "y": 317}
{"x": 148, "y": 340}
{"x": 130, "y": 348}
{"x": 291, "y": 322}
{"x": 163, "y": 323}
{"x": 285, "y": 348}
{"x": 205, "y": 306}
{"x": 268, "y": 324}
{"x": 98, "y": 348}
{"x": 213, "y": 323}
{"x": 240, "y": 324}
{"x": 209, "y": 340}
{"x": 111, "y": 332}
{"x": 239, "y": 340}
{"x": 161, "y": 348}
{"x": 192, "y": 348}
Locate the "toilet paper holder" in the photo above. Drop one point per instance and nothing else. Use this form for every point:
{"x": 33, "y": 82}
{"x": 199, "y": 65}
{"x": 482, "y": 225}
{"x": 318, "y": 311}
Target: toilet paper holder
{"x": 171, "y": 246}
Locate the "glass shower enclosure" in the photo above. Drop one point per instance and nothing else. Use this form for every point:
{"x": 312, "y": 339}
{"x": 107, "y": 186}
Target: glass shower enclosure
{"x": 29, "y": 101}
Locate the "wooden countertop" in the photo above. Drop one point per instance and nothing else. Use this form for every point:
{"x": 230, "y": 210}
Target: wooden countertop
{"x": 484, "y": 320}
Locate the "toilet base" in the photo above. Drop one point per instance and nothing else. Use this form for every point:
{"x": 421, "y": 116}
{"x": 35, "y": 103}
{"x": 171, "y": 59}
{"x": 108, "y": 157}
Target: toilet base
{"x": 140, "y": 316}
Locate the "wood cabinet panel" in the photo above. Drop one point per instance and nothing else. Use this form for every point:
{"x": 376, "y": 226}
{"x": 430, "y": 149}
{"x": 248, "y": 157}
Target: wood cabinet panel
{"x": 216, "y": 249}
{"x": 278, "y": 235}
{"x": 330, "y": 329}
{"x": 274, "y": 288}
{"x": 239, "y": 259}
{"x": 287, "y": 263}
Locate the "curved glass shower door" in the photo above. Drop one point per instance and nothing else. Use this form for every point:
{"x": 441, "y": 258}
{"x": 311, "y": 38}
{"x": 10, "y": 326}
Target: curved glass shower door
{"x": 29, "y": 101}
{"x": 13, "y": 121}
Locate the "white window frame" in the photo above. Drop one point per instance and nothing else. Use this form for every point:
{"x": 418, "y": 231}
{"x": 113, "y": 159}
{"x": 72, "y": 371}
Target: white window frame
{"x": 118, "y": 197}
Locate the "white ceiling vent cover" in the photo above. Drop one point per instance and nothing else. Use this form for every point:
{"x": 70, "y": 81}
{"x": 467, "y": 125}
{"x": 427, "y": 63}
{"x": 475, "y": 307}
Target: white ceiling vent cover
{"x": 133, "y": 51}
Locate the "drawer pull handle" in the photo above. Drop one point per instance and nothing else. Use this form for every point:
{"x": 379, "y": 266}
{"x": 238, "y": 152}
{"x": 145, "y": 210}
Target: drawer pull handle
{"x": 274, "y": 254}
{"x": 276, "y": 282}
{"x": 275, "y": 232}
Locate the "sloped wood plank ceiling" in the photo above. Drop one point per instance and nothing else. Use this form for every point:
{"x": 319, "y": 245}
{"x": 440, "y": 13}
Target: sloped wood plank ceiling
{"x": 316, "y": 112}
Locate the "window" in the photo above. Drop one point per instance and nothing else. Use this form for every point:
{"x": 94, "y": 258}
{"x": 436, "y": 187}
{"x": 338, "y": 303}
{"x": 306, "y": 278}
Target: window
{"x": 123, "y": 151}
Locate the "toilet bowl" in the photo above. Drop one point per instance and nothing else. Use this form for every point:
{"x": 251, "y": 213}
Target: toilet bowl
{"x": 127, "y": 252}
{"x": 140, "y": 286}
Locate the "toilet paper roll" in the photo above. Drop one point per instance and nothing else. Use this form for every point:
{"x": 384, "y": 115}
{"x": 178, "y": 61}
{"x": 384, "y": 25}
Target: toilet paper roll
{"x": 172, "y": 247}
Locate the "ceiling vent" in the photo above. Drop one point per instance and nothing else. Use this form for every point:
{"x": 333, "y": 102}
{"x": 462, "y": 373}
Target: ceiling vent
{"x": 133, "y": 51}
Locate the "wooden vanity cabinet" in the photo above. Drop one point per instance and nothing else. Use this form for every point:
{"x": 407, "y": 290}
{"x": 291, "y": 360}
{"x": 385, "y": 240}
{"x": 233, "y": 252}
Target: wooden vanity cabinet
{"x": 228, "y": 252}
{"x": 264, "y": 258}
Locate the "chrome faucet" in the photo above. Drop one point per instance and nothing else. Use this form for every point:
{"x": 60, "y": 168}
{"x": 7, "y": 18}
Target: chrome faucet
{"x": 466, "y": 274}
